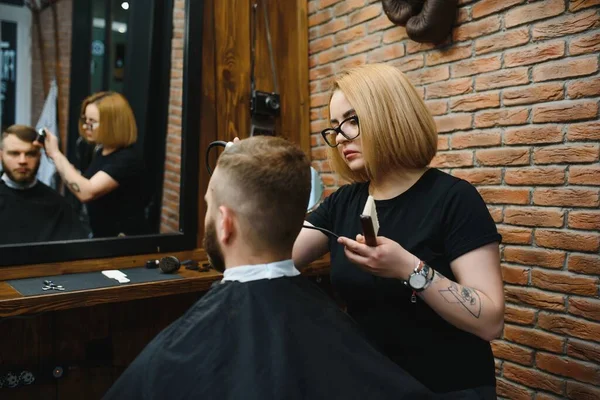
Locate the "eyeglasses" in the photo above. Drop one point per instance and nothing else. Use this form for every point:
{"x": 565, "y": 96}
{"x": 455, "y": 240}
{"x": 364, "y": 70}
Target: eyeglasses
{"x": 348, "y": 128}
{"x": 89, "y": 125}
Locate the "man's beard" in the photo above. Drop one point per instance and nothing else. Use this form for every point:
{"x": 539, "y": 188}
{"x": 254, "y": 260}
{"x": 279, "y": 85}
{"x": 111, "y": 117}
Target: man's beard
{"x": 212, "y": 248}
{"x": 25, "y": 179}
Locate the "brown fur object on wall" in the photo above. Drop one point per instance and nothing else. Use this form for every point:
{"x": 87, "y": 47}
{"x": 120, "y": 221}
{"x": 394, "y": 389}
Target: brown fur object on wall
{"x": 425, "y": 20}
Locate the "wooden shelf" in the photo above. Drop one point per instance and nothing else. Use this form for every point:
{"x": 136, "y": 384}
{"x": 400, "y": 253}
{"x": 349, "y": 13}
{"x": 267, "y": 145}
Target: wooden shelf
{"x": 13, "y": 303}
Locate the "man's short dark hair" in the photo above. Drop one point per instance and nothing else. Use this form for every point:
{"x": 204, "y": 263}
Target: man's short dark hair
{"x": 23, "y": 132}
{"x": 266, "y": 180}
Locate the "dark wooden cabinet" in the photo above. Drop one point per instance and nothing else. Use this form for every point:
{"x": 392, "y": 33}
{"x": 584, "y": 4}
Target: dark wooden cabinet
{"x": 92, "y": 345}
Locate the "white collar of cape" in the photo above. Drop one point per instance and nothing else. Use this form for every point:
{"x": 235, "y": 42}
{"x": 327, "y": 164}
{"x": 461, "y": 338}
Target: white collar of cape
{"x": 248, "y": 273}
{"x": 17, "y": 186}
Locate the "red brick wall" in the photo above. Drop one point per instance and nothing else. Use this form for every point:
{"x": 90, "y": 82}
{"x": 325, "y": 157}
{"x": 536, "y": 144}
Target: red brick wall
{"x": 515, "y": 97}
{"x": 170, "y": 203}
{"x": 64, "y": 11}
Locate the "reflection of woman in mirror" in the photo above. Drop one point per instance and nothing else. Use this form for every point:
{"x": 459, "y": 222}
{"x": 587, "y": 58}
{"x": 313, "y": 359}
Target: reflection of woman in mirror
{"x": 430, "y": 293}
{"x": 112, "y": 186}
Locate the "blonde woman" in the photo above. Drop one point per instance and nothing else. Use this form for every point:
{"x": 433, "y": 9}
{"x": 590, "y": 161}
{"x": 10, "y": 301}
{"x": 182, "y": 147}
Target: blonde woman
{"x": 430, "y": 293}
{"x": 113, "y": 186}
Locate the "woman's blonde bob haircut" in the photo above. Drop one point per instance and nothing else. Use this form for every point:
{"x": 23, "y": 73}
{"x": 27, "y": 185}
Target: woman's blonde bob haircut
{"x": 117, "y": 123}
{"x": 397, "y": 131}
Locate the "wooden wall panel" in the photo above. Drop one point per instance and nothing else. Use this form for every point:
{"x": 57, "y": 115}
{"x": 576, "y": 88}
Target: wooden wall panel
{"x": 208, "y": 120}
{"x": 300, "y": 66}
{"x": 232, "y": 41}
{"x": 288, "y": 25}
{"x": 289, "y": 37}
{"x": 226, "y": 74}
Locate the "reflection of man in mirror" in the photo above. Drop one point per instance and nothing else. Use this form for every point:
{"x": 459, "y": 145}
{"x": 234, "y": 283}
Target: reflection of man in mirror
{"x": 29, "y": 210}
{"x": 264, "y": 331}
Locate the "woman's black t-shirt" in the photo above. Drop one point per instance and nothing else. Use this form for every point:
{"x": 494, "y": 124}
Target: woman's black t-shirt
{"x": 122, "y": 210}
{"x": 438, "y": 219}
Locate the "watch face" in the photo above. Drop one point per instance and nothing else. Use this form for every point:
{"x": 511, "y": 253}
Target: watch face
{"x": 417, "y": 281}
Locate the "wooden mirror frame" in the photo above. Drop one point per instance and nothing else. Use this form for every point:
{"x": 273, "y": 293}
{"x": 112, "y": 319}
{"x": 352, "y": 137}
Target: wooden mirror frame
{"x": 186, "y": 238}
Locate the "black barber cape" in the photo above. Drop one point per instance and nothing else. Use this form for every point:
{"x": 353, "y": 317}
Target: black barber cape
{"x": 267, "y": 339}
{"x": 38, "y": 214}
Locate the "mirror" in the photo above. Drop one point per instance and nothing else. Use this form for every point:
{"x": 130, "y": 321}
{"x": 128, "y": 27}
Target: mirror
{"x": 317, "y": 195}
{"x": 53, "y": 55}
{"x": 316, "y": 190}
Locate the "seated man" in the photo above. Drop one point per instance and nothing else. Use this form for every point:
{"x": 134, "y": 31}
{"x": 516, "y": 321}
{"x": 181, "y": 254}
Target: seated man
{"x": 263, "y": 332}
{"x": 29, "y": 210}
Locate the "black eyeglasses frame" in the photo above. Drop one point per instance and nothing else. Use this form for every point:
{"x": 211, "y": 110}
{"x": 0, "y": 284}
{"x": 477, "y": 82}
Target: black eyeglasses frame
{"x": 338, "y": 129}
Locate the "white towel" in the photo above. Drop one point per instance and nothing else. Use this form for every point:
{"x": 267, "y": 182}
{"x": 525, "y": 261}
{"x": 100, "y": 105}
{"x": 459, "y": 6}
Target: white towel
{"x": 48, "y": 119}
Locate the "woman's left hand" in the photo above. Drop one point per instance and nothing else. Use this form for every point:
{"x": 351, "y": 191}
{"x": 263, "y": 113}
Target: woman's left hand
{"x": 388, "y": 259}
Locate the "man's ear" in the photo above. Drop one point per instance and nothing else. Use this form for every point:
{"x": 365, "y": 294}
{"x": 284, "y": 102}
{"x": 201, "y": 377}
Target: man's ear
{"x": 226, "y": 224}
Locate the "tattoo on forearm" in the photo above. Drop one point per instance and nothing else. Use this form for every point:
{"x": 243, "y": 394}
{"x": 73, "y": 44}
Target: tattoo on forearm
{"x": 469, "y": 298}
{"x": 74, "y": 187}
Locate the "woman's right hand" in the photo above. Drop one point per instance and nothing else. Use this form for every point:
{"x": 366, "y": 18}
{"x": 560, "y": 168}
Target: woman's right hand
{"x": 50, "y": 144}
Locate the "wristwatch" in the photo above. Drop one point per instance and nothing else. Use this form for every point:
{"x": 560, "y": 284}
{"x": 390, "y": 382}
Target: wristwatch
{"x": 419, "y": 280}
